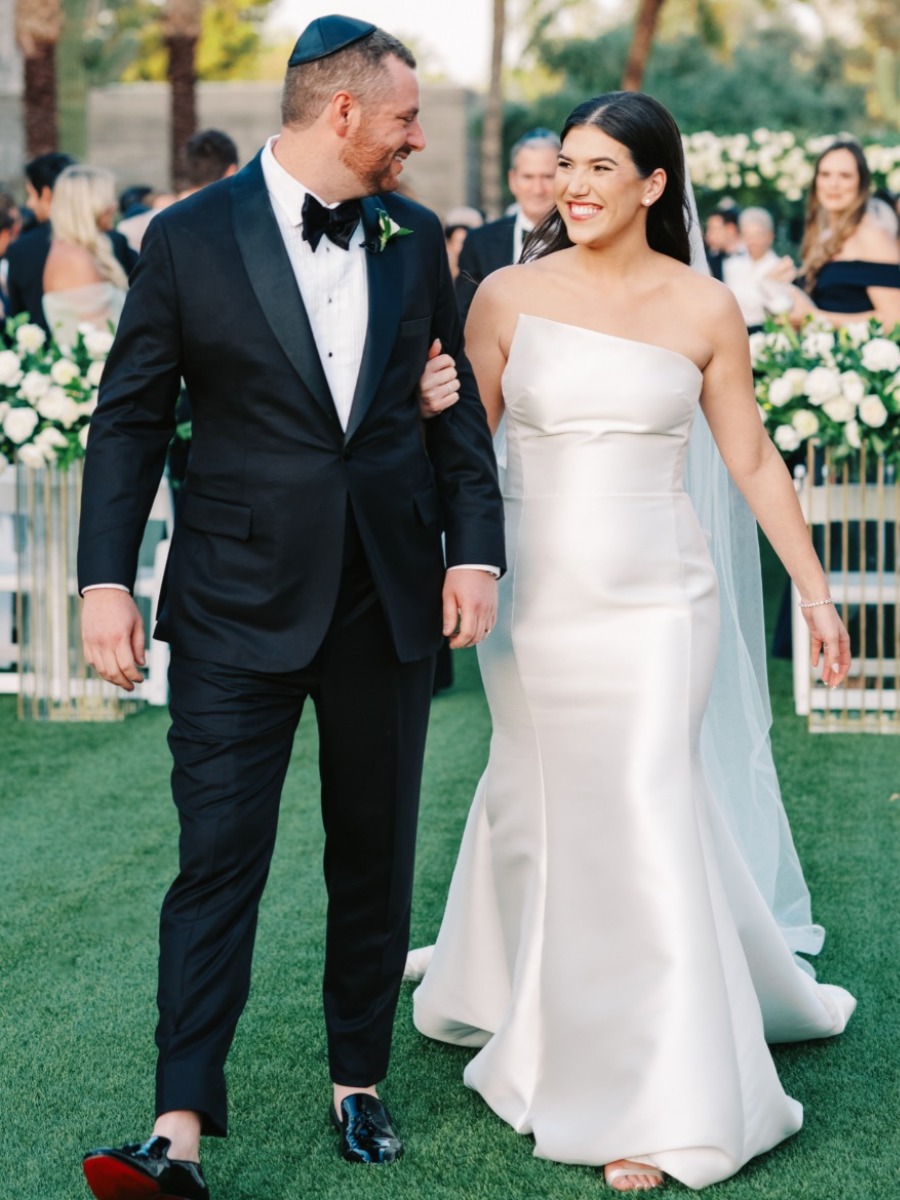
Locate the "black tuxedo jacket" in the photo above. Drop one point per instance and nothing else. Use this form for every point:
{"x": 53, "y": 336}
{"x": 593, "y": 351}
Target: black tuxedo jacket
{"x": 256, "y": 558}
{"x": 484, "y": 250}
{"x": 27, "y": 257}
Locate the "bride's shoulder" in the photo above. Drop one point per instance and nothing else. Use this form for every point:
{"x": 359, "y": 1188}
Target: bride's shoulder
{"x": 701, "y": 296}
{"x": 505, "y": 288}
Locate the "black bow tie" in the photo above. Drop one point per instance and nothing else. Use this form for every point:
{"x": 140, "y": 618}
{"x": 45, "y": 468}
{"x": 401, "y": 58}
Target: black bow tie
{"x": 337, "y": 224}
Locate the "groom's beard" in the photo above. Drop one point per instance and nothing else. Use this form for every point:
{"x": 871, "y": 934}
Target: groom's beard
{"x": 373, "y": 166}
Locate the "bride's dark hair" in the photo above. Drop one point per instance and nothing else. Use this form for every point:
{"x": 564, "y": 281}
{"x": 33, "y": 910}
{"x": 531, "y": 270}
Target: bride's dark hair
{"x": 648, "y": 131}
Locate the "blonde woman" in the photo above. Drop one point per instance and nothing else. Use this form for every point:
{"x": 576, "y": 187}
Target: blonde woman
{"x": 84, "y": 282}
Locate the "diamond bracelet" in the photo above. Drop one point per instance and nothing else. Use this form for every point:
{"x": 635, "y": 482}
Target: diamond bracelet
{"x": 815, "y": 603}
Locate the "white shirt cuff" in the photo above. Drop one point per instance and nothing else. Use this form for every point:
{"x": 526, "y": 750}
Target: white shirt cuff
{"x": 116, "y": 587}
{"x": 495, "y": 571}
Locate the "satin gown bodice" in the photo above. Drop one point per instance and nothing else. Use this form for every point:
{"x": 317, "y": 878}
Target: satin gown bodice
{"x": 604, "y": 944}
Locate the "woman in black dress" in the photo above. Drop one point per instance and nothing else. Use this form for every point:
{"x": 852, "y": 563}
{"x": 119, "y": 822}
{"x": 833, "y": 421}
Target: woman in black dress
{"x": 850, "y": 264}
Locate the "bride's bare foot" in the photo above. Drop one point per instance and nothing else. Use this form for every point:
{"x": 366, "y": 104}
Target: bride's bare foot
{"x": 623, "y": 1175}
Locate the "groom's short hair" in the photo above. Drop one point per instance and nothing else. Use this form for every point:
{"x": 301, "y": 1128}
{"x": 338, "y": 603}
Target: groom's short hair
{"x": 358, "y": 68}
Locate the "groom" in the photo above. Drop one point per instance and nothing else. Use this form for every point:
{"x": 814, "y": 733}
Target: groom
{"x": 306, "y": 563}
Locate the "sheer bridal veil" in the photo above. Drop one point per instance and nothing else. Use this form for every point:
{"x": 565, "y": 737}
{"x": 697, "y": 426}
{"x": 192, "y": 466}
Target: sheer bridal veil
{"x": 737, "y": 753}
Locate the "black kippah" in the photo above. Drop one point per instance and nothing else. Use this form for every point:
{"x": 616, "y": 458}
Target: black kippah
{"x": 326, "y": 36}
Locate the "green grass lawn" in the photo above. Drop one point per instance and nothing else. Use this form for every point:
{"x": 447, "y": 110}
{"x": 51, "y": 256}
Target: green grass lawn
{"x": 87, "y": 848}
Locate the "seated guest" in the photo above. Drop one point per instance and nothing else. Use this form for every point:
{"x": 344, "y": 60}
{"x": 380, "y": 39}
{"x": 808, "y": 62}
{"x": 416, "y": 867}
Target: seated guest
{"x": 850, "y": 263}
{"x": 27, "y": 257}
{"x": 722, "y": 236}
{"x": 207, "y": 157}
{"x": 457, "y": 224}
{"x": 84, "y": 283}
{"x": 499, "y": 243}
{"x": 747, "y": 272}
{"x": 10, "y": 226}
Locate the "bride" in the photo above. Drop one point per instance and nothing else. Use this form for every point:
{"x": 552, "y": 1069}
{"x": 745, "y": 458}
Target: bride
{"x": 615, "y": 944}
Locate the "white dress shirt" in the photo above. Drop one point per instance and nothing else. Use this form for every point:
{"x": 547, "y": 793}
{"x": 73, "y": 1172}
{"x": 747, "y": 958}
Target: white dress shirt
{"x": 521, "y": 229}
{"x": 332, "y": 282}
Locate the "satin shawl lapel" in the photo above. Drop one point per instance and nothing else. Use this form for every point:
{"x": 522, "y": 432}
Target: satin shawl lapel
{"x": 384, "y": 269}
{"x": 272, "y": 279}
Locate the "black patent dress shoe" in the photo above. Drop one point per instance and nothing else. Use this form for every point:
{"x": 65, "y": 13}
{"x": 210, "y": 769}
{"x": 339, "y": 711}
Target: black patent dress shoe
{"x": 143, "y": 1173}
{"x": 367, "y": 1134}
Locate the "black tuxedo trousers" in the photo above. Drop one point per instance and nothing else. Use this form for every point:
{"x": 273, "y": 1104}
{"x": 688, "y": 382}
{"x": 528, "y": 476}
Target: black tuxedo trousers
{"x": 231, "y": 739}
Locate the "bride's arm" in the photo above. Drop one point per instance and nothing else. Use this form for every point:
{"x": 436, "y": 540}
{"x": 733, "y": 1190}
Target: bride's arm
{"x": 487, "y": 344}
{"x": 729, "y": 403}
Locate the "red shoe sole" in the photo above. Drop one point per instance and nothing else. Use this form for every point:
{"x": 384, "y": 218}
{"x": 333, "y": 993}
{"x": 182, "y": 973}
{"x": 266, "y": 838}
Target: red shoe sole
{"x": 110, "y": 1179}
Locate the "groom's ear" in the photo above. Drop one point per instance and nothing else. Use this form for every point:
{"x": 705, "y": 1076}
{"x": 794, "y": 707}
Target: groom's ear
{"x": 344, "y": 113}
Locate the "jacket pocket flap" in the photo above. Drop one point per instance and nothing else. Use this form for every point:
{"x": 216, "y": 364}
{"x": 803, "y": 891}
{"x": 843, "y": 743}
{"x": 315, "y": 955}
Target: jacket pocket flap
{"x": 411, "y": 328}
{"x": 217, "y": 516}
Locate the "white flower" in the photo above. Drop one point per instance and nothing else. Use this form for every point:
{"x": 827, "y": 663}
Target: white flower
{"x": 98, "y": 342}
{"x": 34, "y": 386}
{"x": 777, "y": 342}
{"x": 57, "y": 406}
{"x": 19, "y": 424}
{"x": 30, "y": 338}
{"x": 857, "y": 332}
{"x": 787, "y": 438}
{"x": 873, "y": 412}
{"x": 823, "y": 383}
{"x": 853, "y": 386}
{"x": 87, "y": 406}
{"x": 819, "y": 344}
{"x": 780, "y": 391}
{"x": 95, "y": 372}
{"x": 4, "y": 409}
{"x": 805, "y": 422}
{"x": 796, "y": 376}
{"x": 881, "y": 355}
{"x": 757, "y": 346}
{"x": 32, "y": 456}
{"x": 64, "y": 371}
{"x": 83, "y": 436}
{"x": 840, "y": 409}
{"x": 50, "y": 439}
{"x": 10, "y": 370}
{"x": 851, "y": 433}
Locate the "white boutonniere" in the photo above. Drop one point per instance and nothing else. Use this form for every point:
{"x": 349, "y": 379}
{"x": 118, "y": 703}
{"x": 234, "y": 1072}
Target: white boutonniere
{"x": 387, "y": 230}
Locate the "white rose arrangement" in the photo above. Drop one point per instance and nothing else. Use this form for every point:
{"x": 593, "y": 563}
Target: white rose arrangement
{"x": 836, "y": 388}
{"x": 47, "y": 393}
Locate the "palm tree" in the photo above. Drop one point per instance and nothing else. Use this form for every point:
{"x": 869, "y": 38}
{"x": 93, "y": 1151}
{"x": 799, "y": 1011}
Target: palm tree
{"x": 38, "y": 25}
{"x": 492, "y": 132}
{"x": 182, "y": 24}
{"x": 641, "y": 44}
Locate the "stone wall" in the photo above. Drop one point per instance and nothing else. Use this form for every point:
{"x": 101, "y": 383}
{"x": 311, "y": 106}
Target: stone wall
{"x": 128, "y": 132}
{"x": 11, "y": 135}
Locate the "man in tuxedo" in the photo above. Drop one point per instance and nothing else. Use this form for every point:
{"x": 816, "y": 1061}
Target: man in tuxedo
{"x": 27, "y": 257}
{"x": 299, "y": 300}
{"x": 532, "y": 170}
{"x": 722, "y": 236}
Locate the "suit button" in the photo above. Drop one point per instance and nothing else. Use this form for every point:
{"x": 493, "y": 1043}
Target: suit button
{"x": 346, "y": 456}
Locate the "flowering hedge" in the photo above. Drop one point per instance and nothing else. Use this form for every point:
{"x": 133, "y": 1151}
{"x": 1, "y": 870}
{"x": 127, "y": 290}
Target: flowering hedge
{"x": 832, "y": 387}
{"x": 776, "y": 161}
{"x": 47, "y": 394}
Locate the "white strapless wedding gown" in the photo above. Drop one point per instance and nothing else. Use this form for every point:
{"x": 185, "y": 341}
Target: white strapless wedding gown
{"x": 604, "y": 943}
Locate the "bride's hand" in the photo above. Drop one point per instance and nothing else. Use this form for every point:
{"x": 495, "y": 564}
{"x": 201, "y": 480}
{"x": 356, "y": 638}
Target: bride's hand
{"x": 439, "y": 385}
{"x": 830, "y": 643}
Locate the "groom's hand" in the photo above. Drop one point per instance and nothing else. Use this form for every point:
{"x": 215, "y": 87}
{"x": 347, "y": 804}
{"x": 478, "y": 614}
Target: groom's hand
{"x": 439, "y": 385}
{"x": 113, "y": 635}
{"x": 470, "y": 606}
